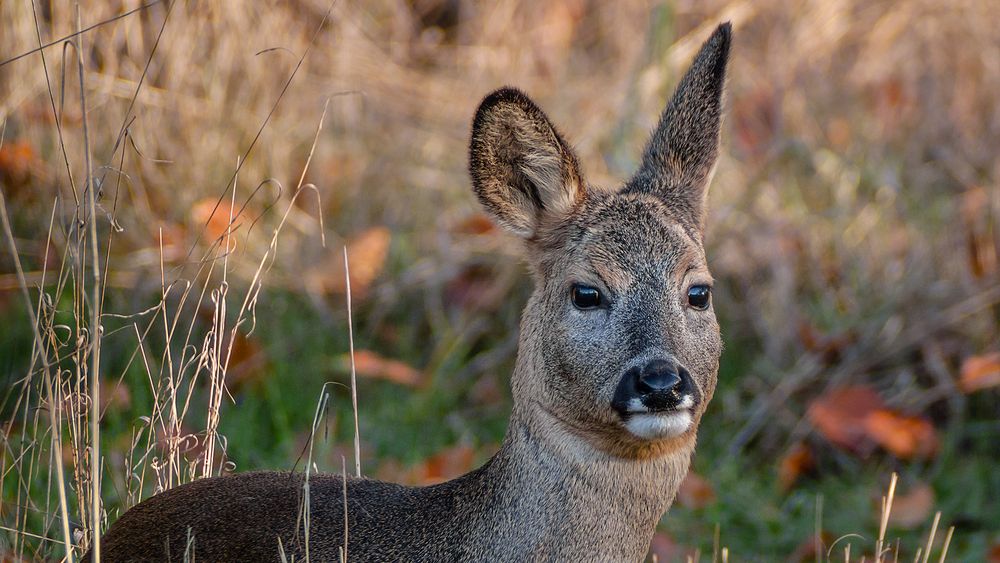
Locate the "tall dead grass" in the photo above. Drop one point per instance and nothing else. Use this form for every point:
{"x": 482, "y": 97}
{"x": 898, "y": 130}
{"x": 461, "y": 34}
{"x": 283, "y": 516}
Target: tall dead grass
{"x": 858, "y": 197}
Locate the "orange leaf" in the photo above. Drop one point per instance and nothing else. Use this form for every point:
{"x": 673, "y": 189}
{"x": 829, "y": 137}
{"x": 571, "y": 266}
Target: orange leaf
{"x": 366, "y": 254}
{"x": 475, "y": 224}
{"x": 840, "y": 414}
{"x": 904, "y": 436}
{"x": 912, "y": 509}
{"x": 794, "y": 464}
{"x": 695, "y": 492}
{"x": 980, "y": 372}
{"x": 20, "y": 168}
{"x": 448, "y": 464}
{"x": 444, "y": 465}
{"x": 17, "y": 159}
{"x": 371, "y": 364}
{"x": 993, "y": 555}
{"x": 246, "y": 362}
{"x": 215, "y": 216}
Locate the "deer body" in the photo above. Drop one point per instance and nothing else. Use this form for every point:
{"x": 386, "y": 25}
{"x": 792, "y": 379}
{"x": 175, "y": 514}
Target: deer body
{"x": 522, "y": 505}
{"x": 618, "y": 356}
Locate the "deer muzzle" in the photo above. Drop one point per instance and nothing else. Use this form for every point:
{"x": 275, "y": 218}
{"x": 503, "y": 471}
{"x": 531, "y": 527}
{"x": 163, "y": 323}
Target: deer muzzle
{"x": 656, "y": 398}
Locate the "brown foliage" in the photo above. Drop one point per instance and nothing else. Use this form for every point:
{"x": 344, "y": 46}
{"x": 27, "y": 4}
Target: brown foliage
{"x": 796, "y": 462}
{"x": 17, "y": 161}
{"x": 695, "y": 492}
{"x": 855, "y": 418}
{"x": 913, "y": 508}
{"x": 904, "y": 436}
{"x": 980, "y": 372}
{"x": 840, "y": 416}
{"x": 371, "y": 364}
{"x": 444, "y": 465}
{"x": 215, "y": 217}
{"x": 366, "y": 255}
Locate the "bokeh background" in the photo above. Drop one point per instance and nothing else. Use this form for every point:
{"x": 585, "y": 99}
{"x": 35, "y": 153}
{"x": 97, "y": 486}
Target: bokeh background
{"x": 233, "y": 149}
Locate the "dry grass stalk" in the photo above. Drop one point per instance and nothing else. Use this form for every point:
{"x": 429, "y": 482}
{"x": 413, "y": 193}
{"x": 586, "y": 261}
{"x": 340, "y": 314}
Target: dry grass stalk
{"x": 884, "y": 519}
{"x": 354, "y": 371}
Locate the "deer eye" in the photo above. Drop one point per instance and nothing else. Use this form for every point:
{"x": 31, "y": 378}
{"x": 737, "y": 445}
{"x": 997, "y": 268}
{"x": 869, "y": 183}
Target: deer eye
{"x": 699, "y": 297}
{"x": 585, "y": 297}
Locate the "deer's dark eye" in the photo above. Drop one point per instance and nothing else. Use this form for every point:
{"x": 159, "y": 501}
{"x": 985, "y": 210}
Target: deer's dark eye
{"x": 699, "y": 297}
{"x": 585, "y": 297}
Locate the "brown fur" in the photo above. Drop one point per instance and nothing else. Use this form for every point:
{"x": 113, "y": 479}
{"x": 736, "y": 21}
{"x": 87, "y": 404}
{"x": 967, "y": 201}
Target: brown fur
{"x": 571, "y": 480}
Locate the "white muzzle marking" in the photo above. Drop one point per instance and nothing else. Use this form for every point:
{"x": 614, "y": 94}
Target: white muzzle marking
{"x": 658, "y": 425}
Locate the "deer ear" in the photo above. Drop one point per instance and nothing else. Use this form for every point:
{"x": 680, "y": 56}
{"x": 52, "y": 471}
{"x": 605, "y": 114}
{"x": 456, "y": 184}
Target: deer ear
{"x": 680, "y": 157}
{"x": 522, "y": 169}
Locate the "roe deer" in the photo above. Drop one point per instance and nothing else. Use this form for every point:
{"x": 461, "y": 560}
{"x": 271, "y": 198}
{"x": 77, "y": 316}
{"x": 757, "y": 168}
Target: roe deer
{"x": 618, "y": 358}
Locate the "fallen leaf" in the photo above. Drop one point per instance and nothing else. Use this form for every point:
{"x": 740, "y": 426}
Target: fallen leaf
{"x": 475, "y": 288}
{"x": 695, "y": 492}
{"x": 980, "y": 372}
{"x": 993, "y": 555}
{"x": 444, "y": 465}
{"x": 840, "y": 415}
{"x": 665, "y": 548}
{"x": 891, "y": 101}
{"x": 246, "y": 362}
{"x": 812, "y": 548}
{"x": 215, "y": 216}
{"x": 366, "y": 255}
{"x": 448, "y": 464}
{"x": 370, "y": 364}
{"x": 17, "y": 160}
{"x": 796, "y": 462}
{"x": 475, "y": 224}
{"x": 913, "y": 508}
{"x": 906, "y": 437}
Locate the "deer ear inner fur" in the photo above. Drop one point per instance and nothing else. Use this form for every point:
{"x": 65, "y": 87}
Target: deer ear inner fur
{"x": 521, "y": 167}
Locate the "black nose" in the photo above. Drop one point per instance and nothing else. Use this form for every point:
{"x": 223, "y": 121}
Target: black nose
{"x": 658, "y": 376}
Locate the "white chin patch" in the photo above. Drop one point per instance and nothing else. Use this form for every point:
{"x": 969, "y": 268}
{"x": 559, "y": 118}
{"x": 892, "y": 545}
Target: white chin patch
{"x": 653, "y": 426}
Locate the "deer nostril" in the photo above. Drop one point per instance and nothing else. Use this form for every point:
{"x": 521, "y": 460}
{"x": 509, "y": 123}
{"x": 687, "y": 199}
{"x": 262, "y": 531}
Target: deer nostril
{"x": 658, "y": 376}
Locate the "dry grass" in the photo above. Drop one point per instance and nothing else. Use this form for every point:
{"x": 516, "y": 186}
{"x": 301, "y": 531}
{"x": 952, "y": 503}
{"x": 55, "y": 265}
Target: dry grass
{"x": 857, "y": 198}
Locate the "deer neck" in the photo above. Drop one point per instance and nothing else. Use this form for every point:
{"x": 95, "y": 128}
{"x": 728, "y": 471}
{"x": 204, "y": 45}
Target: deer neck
{"x": 552, "y": 496}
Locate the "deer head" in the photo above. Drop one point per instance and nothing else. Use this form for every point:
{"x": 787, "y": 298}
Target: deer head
{"x": 619, "y": 343}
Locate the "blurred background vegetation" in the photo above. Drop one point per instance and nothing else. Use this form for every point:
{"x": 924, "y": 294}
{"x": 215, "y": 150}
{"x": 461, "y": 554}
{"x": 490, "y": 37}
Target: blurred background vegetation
{"x": 854, "y": 232}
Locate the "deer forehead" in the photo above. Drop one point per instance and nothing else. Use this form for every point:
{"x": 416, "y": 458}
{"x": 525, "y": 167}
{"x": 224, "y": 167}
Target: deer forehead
{"x": 633, "y": 239}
